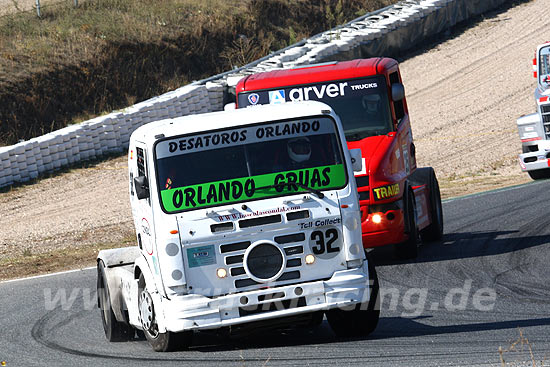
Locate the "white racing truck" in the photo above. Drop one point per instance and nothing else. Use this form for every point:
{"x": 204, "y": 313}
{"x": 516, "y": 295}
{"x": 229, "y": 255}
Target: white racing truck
{"x": 534, "y": 129}
{"x": 245, "y": 218}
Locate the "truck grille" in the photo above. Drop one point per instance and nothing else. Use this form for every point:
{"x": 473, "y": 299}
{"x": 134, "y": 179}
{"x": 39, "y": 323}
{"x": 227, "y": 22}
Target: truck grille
{"x": 545, "y": 114}
{"x": 291, "y": 245}
{"x": 261, "y": 221}
{"x": 362, "y": 181}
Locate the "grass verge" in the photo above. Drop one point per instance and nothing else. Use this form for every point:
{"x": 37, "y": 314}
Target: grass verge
{"x": 69, "y": 258}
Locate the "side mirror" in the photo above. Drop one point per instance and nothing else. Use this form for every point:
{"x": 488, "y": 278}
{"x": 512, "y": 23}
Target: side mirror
{"x": 142, "y": 187}
{"x": 397, "y": 92}
{"x": 356, "y": 160}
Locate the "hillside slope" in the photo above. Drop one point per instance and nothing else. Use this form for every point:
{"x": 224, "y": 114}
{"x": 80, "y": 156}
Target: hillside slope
{"x": 464, "y": 95}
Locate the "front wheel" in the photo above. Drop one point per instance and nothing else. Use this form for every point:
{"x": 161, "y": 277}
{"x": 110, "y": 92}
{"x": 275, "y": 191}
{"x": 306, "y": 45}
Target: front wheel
{"x": 160, "y": 342}
{"x": 539, "y": 174}
{"x": 363, "y": 318}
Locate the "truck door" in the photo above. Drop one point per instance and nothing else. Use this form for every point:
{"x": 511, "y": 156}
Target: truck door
{"x": 141, "y": 208}
{"x": 404, "y": 132}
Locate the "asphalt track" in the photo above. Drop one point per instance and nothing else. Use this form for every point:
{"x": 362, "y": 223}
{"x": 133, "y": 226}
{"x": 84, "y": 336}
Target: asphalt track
{"x": 438, "y": 310}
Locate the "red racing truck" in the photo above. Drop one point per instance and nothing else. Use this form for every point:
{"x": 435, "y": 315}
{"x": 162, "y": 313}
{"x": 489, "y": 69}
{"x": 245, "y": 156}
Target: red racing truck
{"x": 400, "y": 203}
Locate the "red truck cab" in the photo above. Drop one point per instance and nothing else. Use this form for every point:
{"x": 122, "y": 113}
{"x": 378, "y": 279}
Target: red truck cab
{"x": 399, "y": 202}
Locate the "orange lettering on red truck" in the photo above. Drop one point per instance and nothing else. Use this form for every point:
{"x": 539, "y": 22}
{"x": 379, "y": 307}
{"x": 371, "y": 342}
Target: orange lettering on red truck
{"x": 386, "y": 192}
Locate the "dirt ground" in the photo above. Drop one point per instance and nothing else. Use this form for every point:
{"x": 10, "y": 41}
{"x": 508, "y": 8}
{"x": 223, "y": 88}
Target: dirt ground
{"x": 464, "y": 96}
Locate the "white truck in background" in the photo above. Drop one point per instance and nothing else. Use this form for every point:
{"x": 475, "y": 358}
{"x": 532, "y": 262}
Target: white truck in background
{"x": 534, "y": 129}
{"x": 243, "y": 218}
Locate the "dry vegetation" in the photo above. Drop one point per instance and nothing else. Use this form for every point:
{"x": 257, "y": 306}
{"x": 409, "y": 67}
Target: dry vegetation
{"x": 74, "y": 63}
{"x": 521, "y": 353}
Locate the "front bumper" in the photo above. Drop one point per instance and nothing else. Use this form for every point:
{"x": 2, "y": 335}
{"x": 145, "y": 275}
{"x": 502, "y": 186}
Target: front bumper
{"x": 195, "y": 312}
{"x": 538, "y": 159}
{"x": 534, "y": 160}
{"x": 390, "y": 230}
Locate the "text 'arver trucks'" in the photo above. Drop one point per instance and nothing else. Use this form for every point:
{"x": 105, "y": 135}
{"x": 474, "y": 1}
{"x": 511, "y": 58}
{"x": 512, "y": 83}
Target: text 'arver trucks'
{"x": 247, "y": 218}
{"x": 398, "y": 200}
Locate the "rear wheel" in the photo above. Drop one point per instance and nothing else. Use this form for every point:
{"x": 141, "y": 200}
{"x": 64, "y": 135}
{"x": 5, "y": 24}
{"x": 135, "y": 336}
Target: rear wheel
{"x": 539, "y": 174}
{"x": 161, "y": 342}
{"x": 434, "y": 232}
{"x": 363, "y": 318}
{"x": 409, "y": 248}
{"x": 115, "y": 331}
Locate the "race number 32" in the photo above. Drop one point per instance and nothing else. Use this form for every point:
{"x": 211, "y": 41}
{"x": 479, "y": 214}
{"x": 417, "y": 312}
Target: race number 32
{"x": 324, "y": 241}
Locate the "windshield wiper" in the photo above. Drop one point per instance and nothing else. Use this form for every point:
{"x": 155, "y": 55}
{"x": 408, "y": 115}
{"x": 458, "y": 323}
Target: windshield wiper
{"x": 354, "y": 137}
{"x": 311, "y": 190}
{"x": 359, "y": 136}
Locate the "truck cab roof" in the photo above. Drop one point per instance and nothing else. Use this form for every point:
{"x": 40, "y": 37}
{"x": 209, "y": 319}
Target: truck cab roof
{"x": 317, "y": 73}
{"x": 190, "y": 124}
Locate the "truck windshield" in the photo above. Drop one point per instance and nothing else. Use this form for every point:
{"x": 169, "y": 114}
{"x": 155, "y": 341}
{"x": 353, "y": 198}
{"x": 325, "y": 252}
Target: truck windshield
{"x": 249, "y": 163}
{"x": 544, "y": 72}
{"x": 362, "y": 104}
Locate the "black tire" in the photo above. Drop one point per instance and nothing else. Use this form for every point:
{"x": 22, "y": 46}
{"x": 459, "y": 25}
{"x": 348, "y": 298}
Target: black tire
{"x": 140, "y": 334}
{"x": 539, "y": 174}
{"x": 434, "y": 232}
{"x": 361, "y": 320}
{"x": 409, "y": 248}
{"x": 160, "y": 342}
{"x": 316, "y": 319}
{"x": 115, "y": 331}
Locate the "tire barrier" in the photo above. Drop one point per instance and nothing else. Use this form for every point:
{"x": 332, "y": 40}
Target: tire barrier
{"x": 387, "y": 32}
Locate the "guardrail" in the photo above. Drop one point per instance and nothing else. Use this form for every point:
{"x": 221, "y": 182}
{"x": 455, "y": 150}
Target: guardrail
{"x": 387, "y": 31}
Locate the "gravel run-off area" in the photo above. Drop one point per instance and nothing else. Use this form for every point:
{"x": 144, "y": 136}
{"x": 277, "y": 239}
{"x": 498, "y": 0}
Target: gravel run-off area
{"x": 464, "y": 95}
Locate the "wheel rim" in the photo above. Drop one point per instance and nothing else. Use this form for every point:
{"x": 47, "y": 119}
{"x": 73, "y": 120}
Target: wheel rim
{"x": 147, "y": 314}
